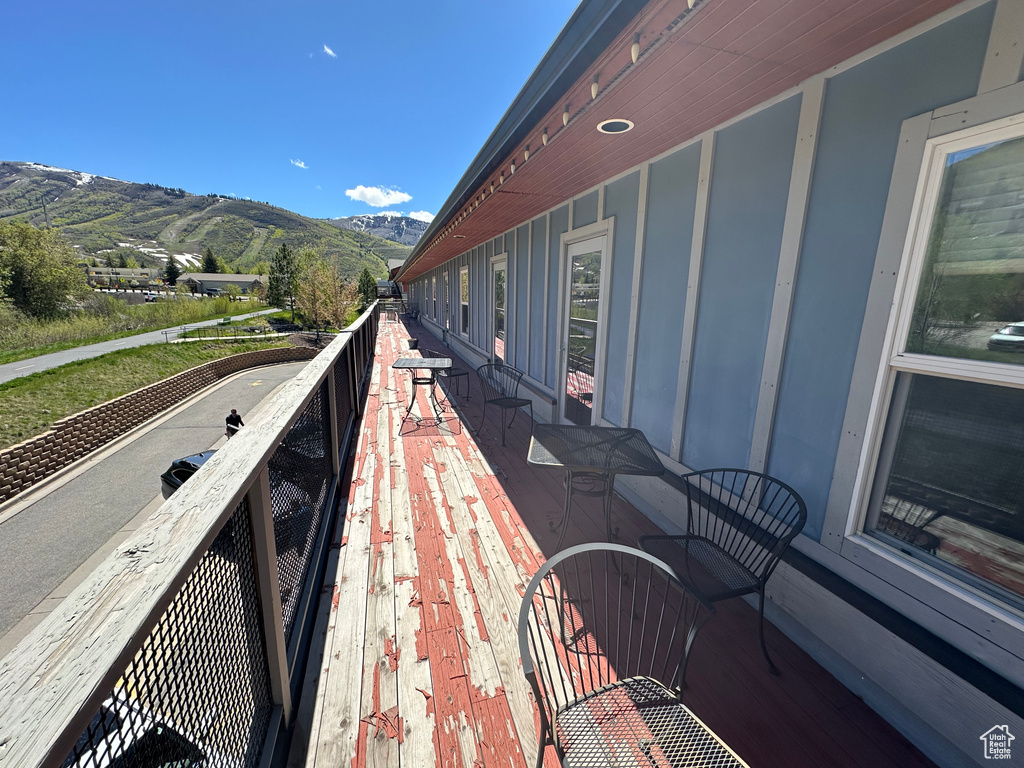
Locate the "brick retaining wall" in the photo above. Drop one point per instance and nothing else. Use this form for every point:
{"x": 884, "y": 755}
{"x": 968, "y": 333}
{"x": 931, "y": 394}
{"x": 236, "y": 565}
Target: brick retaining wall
{"x": 71, "y": 438}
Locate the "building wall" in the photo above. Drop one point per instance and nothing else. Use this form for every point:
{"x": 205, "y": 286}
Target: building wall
{"x": 751, "y": 282}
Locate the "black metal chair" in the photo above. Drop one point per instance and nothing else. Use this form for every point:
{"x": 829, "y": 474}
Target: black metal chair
{"x": 738, "y": 525}
{"x": 453, "y": 374}
{"x": 500, "y": 384}
{"x": 606, "y": 657}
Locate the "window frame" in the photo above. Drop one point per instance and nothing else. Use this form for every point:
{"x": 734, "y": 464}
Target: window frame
{"x": 498, "y": 262}
{"x": 464, "y": 317}
{"x": 936, "y": 588}
{"x": 446, "y": 301}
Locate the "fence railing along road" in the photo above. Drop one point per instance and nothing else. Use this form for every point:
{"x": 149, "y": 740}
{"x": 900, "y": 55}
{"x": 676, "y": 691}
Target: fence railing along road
{"x": 189, "y": 641}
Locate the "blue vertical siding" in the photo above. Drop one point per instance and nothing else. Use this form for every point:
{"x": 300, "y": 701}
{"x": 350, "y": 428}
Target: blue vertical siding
{"x": 671, "y": 201}
{"x": 584, "y": 210}
{"x": 538, "y": 295}
{"x": 620, "y": 200}
{"x": 522, "y": 241}
{"x": 559, "y": 225}
{"x": 857, "y": 144}
{"x": 746, "y": 213}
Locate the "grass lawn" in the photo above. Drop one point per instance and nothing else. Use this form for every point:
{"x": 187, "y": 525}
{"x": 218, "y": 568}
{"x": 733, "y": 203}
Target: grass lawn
{"x": 30, "y": 405}
{"x": 24, "y": 353}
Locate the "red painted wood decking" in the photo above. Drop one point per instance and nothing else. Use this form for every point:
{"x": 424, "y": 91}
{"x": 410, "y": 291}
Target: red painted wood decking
{"x": 420, "y": 663}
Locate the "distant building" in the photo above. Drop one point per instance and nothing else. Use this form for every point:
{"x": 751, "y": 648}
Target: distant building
{"x": 112, "y": 277}
{"x": 215, "y": 282}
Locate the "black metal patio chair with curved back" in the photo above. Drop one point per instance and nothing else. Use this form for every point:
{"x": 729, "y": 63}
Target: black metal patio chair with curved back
{"x": 500, "y": 384}
{"x": 606, "y": 657}
{"x": 739, "y": 523}
{"x": 453, "y": 374}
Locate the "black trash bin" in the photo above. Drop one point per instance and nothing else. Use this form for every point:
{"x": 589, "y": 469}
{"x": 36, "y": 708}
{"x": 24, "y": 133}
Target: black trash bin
{"x": 414, "y": 343}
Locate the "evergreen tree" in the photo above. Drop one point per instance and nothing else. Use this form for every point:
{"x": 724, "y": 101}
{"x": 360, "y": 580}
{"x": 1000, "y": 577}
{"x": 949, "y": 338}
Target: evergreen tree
{"x": 172, "y": 271}
{"x": 210, "y": 263}
{"x": 283, "y": 279}
{"x": 367, "y": 288}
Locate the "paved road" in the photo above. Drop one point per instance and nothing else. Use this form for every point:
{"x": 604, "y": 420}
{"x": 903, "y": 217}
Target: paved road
{"x": 47, "y": 536}
{"x": 43, "y": 362}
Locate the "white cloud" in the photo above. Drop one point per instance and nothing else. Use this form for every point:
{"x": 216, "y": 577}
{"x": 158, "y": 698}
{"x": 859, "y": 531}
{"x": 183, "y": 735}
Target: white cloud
{"x": 298, "y": 163}
{"x": 421, "y": 216}
{"x": 318, "y": 186}
{"x": 329, "y": 52}
{"x": 378, "y": 197}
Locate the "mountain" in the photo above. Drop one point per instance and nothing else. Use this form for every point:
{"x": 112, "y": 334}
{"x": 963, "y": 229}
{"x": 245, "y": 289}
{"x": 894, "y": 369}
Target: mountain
{"x": 400, "y": 229}
{"x": 98, "y": 214}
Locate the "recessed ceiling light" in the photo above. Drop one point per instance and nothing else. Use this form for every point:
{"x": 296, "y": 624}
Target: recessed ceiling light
{"x": 615, "y": 125}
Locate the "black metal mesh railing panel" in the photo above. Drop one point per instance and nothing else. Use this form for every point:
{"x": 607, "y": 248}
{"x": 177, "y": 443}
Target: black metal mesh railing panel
{"x": 300, "y": 478}
{"x": 198, "y": 690}
{"x": 343, "y": 388}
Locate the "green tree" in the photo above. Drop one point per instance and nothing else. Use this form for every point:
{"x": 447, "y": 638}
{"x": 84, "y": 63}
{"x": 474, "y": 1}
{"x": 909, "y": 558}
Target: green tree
{"x": 314, "y": 294}
{"x": 367, "y": 288}
{"x": 210, "y": 262}
{"x": 261, "y": 268}
{"x": 38, "y": 271}
{"x": 233, "y": 291}
{"x": 172, "y": 271}
{"x": 283, "y": 279}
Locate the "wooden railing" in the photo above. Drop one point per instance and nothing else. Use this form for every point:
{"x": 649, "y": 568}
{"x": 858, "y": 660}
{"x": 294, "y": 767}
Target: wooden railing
{"x": 198, "y": 623}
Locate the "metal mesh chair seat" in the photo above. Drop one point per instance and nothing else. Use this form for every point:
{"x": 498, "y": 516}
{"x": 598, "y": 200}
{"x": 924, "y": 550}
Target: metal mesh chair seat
{"x": 509, "y": 402}
{"x": 704, "y": 566}
{"x": 637, "y": 721}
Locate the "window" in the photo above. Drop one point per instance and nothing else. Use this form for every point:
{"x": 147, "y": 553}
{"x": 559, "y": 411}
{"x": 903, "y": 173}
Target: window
{"x": 445, "y": 300}
{"x": 949, "y": 485}
{"x": 499, "y": 268}
{"x": 464, "y": 300}
{"x": 433, "y": 297}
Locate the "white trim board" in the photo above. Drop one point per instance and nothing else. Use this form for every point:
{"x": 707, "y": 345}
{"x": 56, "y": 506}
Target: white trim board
{"x": 700, "y": 220}
{"x": 789, "y": 262}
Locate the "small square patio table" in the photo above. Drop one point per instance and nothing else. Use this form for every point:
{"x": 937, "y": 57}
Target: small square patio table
{"x": 431, "y": 364}
{"x": 591, "y": 458}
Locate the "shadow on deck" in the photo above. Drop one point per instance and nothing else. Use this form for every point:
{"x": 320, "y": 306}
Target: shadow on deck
{"x": 444, "y": 528}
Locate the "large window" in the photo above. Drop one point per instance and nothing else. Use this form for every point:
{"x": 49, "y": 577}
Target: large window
{"x": 949, "y": 487}
{"x": 464, "y": 301}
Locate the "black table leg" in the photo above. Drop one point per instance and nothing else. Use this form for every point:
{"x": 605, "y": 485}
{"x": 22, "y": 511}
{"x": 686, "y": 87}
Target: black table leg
{"x": 565, "y": 510}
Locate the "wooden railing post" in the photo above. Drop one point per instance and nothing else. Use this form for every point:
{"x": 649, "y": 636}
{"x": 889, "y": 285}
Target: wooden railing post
{"x": 265, "y": 553}
{"x": 350, "y": 368}
{"x": 332, "y": 419}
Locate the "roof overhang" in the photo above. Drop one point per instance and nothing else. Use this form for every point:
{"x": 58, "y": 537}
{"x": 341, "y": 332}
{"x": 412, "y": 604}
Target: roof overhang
{"x": 672, "y": 70}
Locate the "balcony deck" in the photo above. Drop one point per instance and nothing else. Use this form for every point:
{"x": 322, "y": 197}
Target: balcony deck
{"x": 420, "y": 664}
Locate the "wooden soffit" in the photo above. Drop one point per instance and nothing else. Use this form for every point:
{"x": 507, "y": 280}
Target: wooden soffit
{"x": 695, "y": 69}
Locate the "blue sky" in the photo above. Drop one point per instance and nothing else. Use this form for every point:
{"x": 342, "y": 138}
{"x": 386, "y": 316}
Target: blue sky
{"x": 319, "y": 107}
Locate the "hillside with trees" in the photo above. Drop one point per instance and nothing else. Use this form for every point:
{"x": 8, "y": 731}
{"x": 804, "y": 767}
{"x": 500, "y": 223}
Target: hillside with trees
{"x": 100, "y": 215}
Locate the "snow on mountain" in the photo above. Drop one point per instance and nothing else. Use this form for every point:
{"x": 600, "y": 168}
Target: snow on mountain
{"x": 389, "y": 225}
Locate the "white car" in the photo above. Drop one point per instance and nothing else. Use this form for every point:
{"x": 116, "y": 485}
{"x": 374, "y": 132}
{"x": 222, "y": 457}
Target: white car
{"x": 1008, "y": 339}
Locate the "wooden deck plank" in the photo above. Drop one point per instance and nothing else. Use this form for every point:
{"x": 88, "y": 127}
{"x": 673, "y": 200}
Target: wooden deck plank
{"x": 498, "y": 600}
{"x": 335, "y": 730}
{"x": 415, "y": 689}
{"x": 380, "y": 722}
